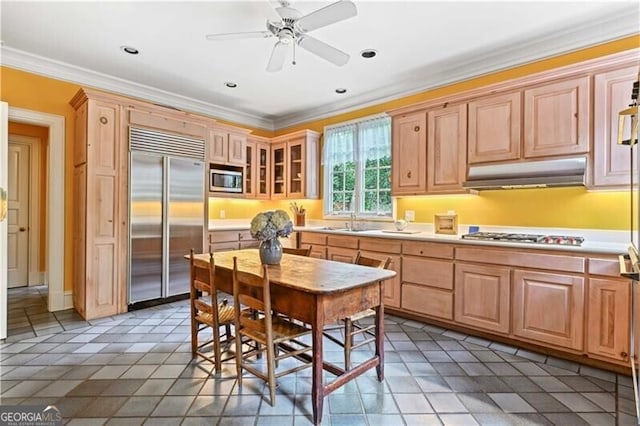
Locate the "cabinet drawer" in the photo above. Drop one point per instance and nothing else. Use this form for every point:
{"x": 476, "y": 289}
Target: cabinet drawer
{"x": 313, "y": 238}
{"x": 342, "y": 241}
{"x": 525, "y": 259}
{"x": 607, "y": 267}
{"x": 381, "y": 245}
{"x": 249, "y": 244}
{"x": 223, "y": 236}
{"x": 427, "y": 300}
{"x": 434, "y": 273}
{"x": 416, "y": 248}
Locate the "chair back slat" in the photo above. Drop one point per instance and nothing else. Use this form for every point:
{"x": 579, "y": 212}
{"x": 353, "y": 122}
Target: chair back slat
{"x": 374, "y": 263}
{"x": 297, "y": 251}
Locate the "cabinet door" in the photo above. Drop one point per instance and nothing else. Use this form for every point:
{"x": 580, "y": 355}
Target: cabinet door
{"x": 236, "y": 152}
{"x": 549, "y": 308}
{"x": 295, "y": 168}
{"x": 556, "y": 118}
{"x": 482, "y": 297}
{"x": 262, "y": 171}
{"x": 494, "y": 128}
{"x": 279, "y": 171}
{"x": 409, "y": 154}
{"x": 611, "y": 165}
{"x": 391, "y": 293}
{"x": 608, "y": 318}
{"x": 446, "y": 149}
{"x": 250, "y": 171}
{"x": 218, "y": 146}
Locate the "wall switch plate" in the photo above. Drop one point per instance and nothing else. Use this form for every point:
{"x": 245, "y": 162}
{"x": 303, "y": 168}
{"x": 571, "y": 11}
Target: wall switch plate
{"x": 223, "y": 214}
{"x": 409, "y": 215}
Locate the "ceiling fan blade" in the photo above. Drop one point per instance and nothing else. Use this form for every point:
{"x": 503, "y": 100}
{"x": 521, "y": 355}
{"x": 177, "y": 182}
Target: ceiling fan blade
{"x": 327, "y": 15}
{"x": 322, "y": 49}
{"x": 235, "y": 36}
{"x": 278, "y": 55}
{"x": 267, "y": 8}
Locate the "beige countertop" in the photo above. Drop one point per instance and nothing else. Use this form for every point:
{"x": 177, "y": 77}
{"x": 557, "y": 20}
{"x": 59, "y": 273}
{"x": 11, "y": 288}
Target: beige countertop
{"x": 596, "y": 241}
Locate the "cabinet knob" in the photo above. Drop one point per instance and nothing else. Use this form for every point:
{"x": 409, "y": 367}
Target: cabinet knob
{"x": 409, "y": 174}
{"x": 104, "y": 120}
{"x": 416, "y": 129}
{"x": 22, "y": 229}
{"x": 624, "y": 355}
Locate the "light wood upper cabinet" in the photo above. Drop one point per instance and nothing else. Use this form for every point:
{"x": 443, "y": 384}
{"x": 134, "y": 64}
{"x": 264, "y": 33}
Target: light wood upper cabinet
{"x": 612, "y": 93}
{"x": 494, "y": 128}
{"x": 482, "y": 296}
{"x": 549, "y": 308}
{"x": 409, "y": 154}
{"x": 294, "y": 165}
{"x": 556, "y": 118}
{"x": 257, "y": 168}
{"x": 608, "y": 318}
{"x": 446, "y": 149}
{"x": 227, "y": 146}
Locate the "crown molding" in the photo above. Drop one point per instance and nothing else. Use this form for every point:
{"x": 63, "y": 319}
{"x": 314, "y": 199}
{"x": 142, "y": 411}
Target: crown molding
{"x": 41, "y": 65}
{"x": 621, "y": 22}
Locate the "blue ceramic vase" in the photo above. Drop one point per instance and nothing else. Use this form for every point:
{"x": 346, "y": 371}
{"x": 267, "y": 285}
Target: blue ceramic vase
{"x": 270, "y": 252}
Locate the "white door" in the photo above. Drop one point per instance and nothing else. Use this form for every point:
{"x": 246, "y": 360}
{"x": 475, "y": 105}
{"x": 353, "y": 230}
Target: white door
{"x": 18, "y": 215}
{"x": 4, "y": 124}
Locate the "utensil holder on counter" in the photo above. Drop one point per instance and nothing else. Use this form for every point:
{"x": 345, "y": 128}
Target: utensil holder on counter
{"x": 300, "y": 219}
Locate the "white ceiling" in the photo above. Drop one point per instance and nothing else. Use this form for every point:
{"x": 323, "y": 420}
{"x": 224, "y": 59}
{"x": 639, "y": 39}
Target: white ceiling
{"x": 420, "y": 44}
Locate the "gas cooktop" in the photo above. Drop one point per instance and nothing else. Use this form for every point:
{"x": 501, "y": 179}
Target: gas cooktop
{"x": 525, "y": 238}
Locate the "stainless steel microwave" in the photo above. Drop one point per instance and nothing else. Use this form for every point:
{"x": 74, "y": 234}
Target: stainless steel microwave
{"x": 225, "y": 180}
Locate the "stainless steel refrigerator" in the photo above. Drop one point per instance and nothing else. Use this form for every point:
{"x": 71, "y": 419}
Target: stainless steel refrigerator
{"x": 167, "y": 208}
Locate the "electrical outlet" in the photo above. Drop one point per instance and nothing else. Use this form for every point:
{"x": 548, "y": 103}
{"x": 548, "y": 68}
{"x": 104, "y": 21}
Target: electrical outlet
{"x": 409, "y": 215}
{"x": 223, "y": 214}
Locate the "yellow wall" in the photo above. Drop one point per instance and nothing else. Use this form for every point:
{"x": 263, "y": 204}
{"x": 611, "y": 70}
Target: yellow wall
{"x": 25, "y": 90}
{"x": 41, "y": 133}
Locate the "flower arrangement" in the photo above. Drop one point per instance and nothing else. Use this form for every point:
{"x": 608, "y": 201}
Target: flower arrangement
{"x": 271, "y": 224}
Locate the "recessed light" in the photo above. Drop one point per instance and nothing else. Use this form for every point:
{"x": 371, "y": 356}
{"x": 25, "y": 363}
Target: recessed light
{"x": 130, "y": 50}
{"x": 230, "y": 84}
{"x": 368, "y": 53}
{"x": 341, "y": 90}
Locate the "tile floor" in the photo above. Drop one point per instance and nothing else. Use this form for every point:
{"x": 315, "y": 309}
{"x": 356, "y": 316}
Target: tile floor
{"x": 136, "y": 368}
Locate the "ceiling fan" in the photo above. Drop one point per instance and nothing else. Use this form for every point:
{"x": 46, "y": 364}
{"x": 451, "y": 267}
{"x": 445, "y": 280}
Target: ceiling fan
{"x": 292, "y": 29}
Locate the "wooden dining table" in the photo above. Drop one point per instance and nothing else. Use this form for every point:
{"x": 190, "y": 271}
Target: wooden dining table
{"x": 317, "y": 292}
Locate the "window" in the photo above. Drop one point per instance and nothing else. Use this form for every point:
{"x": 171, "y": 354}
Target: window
{"x": 357, "y": 168}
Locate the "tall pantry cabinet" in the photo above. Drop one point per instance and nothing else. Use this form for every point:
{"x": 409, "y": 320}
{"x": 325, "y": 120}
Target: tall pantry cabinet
{"x": 100, "y": 217}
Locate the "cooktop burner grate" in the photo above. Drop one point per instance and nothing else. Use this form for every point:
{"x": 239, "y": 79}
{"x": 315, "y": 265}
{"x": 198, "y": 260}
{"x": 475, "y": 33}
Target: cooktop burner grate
{"x": 525, "y": 238}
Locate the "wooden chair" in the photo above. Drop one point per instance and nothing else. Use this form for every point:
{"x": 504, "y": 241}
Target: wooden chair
{"x": 206, "y": 312}
{"x": 351, "y": 326}
{"x": 265, "y": 331}
{"x": 297, "y": 251}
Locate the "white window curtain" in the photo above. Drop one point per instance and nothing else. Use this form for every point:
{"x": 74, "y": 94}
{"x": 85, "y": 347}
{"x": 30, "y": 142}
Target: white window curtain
{"x": 348, "y": 150}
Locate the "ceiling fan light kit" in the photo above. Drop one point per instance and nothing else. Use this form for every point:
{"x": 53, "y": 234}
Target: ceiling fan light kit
{"x": 292, "y": 30}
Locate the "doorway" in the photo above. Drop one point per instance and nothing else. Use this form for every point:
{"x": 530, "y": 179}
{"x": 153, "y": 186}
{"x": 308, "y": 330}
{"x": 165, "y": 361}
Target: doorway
{"x": 55, "y": 207}
{"x": 25, "y": 217}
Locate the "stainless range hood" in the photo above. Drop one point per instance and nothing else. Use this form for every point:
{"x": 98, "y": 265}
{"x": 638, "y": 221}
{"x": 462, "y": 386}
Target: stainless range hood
{"x": 529, "y": 174}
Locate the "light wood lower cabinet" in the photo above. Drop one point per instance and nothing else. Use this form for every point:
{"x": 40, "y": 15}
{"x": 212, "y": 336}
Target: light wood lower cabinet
{"x": 608, "y": 318}
{"x": 231, "y": 240}
{"x": 549, "y": 308}
{"x": 427, "y": 286}
{"x": 391, "y": 287}
{"x": 482, "y": 297}
{"x": 317, "y": 241}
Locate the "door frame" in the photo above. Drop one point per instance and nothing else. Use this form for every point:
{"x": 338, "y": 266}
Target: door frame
{"x": 34, "y": 275}
{"x": 4, "y": 181}
{"x": 55, "y": 208}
